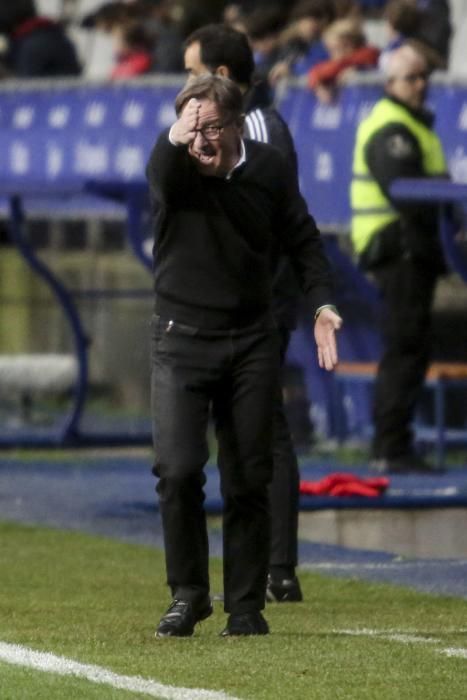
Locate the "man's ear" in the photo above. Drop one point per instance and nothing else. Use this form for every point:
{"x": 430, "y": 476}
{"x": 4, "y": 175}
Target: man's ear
{"x": 240, "y": 122}
{"x": 223, "y": 71}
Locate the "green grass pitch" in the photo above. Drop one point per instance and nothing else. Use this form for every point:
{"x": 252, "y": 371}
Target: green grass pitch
{"x": 97, "y": 601}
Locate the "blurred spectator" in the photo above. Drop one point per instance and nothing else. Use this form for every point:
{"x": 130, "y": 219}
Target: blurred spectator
{"x": 425, "y": 22}
{"x": 372, "y": 8}
{"x": 401, "y": 19}
{"x": 398, "y": 243}
{"x": 264, "y": 28}
{"x": 246, "y": 7}
{"x": 158, "y": 33}
{"x": 233, "y": 17}
{"x": 168, "y": 44}
{"x": 37, "y": 46}
{"x": 133, "y": 50}
{"x": 97, "y": 48}
{"x": 108, "y": 15}
{"x": 192, "y": 15}
{"x": 302, "y": 43}
{"x": 349, "y": 8}
{"x": 346, "y": 44}
{"x": 434, "y": 33}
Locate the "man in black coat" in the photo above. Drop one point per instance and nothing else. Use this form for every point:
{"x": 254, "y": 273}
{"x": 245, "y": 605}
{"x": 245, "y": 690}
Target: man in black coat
{"x": 223, "y": 206}
{"x": 220, "y": 50}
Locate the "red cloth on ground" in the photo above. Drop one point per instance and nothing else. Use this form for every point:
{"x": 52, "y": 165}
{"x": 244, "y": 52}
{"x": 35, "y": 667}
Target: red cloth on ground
{"x": 328, "y": 71}
{"x": 345, "y": 484}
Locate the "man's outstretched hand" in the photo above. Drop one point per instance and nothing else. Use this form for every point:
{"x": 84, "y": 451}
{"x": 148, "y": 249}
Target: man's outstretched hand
{"x": 326, "y": 325}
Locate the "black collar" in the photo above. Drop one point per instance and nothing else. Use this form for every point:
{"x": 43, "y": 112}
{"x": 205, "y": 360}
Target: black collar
{"x": 423, "y": 115}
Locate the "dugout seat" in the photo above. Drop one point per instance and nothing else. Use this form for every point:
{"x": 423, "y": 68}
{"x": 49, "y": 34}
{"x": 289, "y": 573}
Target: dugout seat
{"x": 439, "y": 378}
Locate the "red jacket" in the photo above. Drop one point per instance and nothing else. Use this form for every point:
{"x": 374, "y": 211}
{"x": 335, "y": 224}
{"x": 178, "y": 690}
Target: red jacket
{"x": 132, "y": 64}
{"x": 328, "y": 71}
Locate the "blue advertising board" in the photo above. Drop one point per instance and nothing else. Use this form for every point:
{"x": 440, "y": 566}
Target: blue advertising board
{"x": 105, "y": 132}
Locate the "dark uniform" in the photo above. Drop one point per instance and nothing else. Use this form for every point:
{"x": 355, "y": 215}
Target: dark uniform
{"x": 398, "y": 242}
{"x": 266, "y": 124}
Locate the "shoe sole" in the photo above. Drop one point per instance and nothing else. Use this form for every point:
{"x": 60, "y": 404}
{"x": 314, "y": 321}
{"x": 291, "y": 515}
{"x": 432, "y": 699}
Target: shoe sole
{"x": 225, "y": 633}
{"x": 271, "y": 599}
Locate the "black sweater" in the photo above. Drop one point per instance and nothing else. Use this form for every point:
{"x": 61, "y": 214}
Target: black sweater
{"x": 218, "y": 240}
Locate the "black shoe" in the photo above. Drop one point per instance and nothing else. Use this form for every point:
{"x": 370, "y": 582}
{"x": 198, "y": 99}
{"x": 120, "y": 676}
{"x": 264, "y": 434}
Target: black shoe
{"x": 245, "y": 624}
{"x": 404, "y": 464}
{"x": 181, "y": 618}
{"x": 285, "y": 591}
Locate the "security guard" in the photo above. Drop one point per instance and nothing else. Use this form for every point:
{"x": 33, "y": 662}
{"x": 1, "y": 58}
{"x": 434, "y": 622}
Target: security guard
{"x": 398, "y": 243}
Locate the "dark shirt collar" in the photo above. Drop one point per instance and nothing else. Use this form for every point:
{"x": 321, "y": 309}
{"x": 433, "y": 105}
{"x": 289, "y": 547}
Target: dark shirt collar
{"x": 258, "y": 96}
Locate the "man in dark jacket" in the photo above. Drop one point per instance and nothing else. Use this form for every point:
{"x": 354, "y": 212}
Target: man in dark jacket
{"x": 223, "y": 206}
{"x": 38, "y": 46}
{"x": 220, "y": 50}
{"x": 398, "y": 242}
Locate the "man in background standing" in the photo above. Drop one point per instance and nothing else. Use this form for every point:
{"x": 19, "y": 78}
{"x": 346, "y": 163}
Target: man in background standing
{"x": 38, "y": 46}
{"x": 398, "y": 243}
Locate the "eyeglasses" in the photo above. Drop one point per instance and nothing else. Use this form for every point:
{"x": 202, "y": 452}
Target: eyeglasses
{"x": 212, "y": 132}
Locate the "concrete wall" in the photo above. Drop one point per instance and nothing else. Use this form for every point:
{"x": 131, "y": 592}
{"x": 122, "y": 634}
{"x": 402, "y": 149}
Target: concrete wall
{"x": 424, "y": 533}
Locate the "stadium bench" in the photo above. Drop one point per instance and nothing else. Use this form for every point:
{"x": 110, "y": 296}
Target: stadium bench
{"x": 37, "y": 373}
{"x": 30, "y": 376}
{"x": 440, "y": 376}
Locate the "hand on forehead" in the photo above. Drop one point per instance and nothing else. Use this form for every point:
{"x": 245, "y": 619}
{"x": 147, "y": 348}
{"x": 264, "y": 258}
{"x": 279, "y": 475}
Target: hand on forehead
{"x": 206, "y": 111}
{"x": 191, "y": 107}
{"x": 190, "y": 114}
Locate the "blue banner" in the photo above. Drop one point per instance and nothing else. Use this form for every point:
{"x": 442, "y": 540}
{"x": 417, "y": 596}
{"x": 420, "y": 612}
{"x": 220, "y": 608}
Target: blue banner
{"x": 106, "y": 132}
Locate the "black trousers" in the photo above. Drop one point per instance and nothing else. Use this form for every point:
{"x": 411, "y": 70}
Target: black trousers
{"x": 408, "y": 289}
{"x": 235, "y": 372}
{"x": 284, "y": 489}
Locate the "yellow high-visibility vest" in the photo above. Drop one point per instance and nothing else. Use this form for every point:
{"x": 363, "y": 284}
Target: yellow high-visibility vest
{"x": 371, "y": 209}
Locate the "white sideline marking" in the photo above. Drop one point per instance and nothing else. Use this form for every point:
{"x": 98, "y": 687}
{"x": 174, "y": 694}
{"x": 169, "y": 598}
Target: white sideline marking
{"x": 452, "y": 651}
{"x": 458, "y": 652}
{"x": 391, "y": 636}
{"x": 22, "y": 656}
{"x": 391, "y": 565}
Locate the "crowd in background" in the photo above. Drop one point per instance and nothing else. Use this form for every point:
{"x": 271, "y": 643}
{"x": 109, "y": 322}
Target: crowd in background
{"x": 323, "y": 41}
